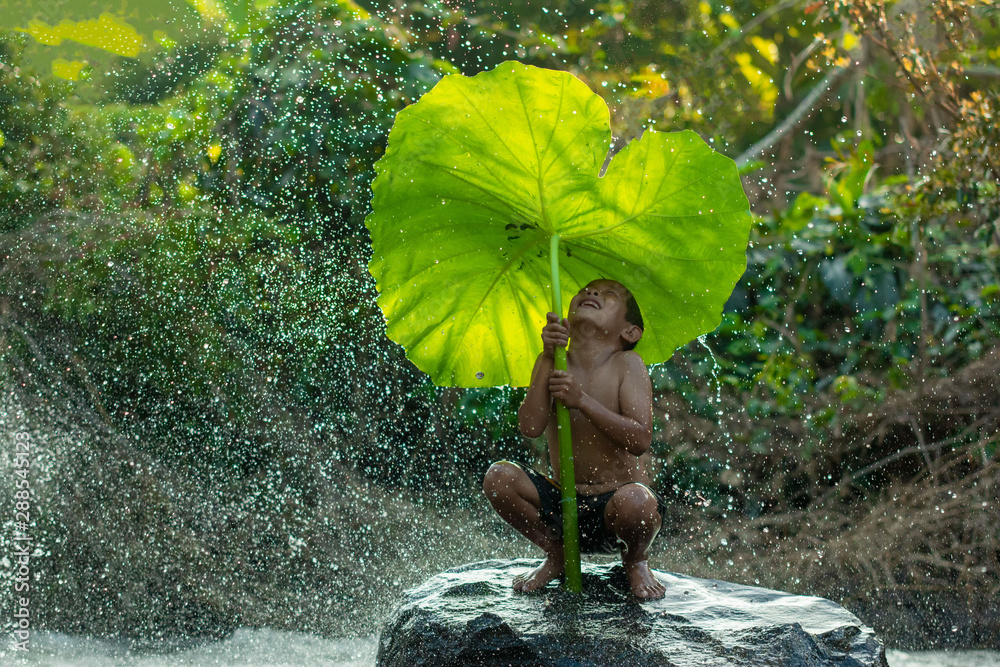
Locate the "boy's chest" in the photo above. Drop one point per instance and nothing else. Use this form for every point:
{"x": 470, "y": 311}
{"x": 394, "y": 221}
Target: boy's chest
{"x": 601, "y": 383}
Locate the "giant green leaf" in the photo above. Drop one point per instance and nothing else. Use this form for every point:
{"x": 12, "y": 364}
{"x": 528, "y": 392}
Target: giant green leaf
{"x": 483, "y": 171}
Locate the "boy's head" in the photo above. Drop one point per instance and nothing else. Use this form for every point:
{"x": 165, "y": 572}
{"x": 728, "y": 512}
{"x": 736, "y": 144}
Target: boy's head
{"x": 609, "y": 304}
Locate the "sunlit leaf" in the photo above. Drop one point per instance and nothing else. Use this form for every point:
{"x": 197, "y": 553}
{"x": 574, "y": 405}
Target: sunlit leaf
{"x": 66, "y": 69}
{"x": 651, "y": 83}
{"x": 766, "y": 48}
{"x": 216, "y": 10}
{"x": 479, "y": 175}
{"x": 759, "y": 81}
{"x": 849, "y": 40}
{"x": 729, "y": 21}
{"x": 108, "y": 32}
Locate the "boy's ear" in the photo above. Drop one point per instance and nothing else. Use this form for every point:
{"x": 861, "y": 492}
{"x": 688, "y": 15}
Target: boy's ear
{"x": 631, "y": 333}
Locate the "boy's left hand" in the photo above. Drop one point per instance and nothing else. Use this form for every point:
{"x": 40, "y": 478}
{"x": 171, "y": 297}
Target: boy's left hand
{"x": 564, "y": 387}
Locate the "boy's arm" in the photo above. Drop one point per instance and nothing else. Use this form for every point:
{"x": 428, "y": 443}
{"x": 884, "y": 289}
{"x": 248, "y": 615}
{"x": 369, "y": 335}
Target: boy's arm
{"x": 533, "y": 415}
{"x": 632, "y": 430}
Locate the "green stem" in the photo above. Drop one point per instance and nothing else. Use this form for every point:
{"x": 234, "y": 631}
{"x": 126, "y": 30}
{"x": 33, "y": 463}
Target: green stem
{"x": 572, "y": 580}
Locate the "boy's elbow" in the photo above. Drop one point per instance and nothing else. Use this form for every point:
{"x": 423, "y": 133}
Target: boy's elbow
{"x": 529, "y": 430}
{"x": 642, "y": 442}
{"x": 531, "y": 433}
{"x": 527, "y": 426}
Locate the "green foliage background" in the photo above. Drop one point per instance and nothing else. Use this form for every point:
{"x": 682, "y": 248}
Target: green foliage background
{"x": 184, "y": 264}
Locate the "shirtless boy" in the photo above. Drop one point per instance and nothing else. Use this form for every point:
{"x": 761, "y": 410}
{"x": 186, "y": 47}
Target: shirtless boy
{"x": 607, "y": 389}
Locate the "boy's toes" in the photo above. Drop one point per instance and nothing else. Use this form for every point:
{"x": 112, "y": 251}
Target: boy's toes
{"x": 529, "y": 582}
{"x": 653, "y": 591}
{"x": 524, "y": 583}
{"x": 643, "y": 582}
{"x": 529, "y": 586}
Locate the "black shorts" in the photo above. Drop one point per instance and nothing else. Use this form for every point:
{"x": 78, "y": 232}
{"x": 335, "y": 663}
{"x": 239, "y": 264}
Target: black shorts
{"x": 595, "y": 536}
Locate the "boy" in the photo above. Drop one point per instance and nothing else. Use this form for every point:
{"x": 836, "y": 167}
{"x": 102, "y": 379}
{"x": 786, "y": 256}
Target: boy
{"x": 609, "y": 395}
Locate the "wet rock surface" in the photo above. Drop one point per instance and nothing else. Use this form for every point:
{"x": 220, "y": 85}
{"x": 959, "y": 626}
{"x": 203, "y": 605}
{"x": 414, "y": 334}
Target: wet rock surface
{"x": 470, "y": 616}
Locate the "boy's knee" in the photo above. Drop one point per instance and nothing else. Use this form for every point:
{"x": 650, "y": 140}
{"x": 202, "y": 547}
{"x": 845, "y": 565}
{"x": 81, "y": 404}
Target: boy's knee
{"x": 500, "y": 477}
{"x": 634, "y": 502}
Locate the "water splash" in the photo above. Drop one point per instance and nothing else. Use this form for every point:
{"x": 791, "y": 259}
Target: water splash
{"x": 715, "y": 375}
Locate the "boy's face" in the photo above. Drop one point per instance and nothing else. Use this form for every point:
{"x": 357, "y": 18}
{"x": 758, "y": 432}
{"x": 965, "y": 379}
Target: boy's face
{"x": 602, "y": 303}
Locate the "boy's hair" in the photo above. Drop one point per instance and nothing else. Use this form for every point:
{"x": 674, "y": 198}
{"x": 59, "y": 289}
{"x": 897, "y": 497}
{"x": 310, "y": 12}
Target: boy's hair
{"x": 634, "y": 317}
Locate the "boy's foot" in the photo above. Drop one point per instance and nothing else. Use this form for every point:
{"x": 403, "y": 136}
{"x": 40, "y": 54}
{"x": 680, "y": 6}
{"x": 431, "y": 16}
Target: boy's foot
{"x": 529, "y": 582}
{"x": 643, "y": 582}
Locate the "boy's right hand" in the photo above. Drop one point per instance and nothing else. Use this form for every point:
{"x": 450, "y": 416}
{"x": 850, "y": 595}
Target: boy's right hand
{"x": 554, "y": 334}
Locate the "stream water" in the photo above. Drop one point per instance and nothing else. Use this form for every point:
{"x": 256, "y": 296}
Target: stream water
{"x": 252, "y": 648}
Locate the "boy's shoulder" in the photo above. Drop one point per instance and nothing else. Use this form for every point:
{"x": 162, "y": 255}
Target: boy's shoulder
{"x": 629, "y": 360}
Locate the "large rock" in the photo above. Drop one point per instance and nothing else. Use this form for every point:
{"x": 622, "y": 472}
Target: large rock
{"x": 470, "y": 616}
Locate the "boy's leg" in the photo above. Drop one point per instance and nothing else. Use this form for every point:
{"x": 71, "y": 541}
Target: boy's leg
{"x": 514, "y": 497}
{"x": 633, "y": 516}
